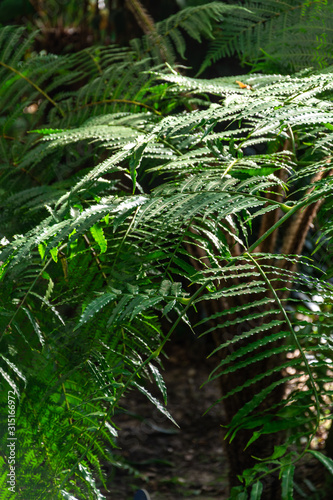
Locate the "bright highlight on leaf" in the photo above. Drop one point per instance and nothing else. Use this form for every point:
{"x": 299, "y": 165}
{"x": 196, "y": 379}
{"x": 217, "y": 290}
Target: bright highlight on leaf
{"x": 98, "y": 235}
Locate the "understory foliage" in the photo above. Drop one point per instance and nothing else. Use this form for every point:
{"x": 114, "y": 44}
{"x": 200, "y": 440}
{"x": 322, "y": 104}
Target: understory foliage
{"x": 271, "y": 35}
{"x": 131, "y": 196}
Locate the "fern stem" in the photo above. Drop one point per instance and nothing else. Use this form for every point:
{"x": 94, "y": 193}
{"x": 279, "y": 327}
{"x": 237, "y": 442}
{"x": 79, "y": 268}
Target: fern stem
{"x": 144, "y": 20}
{"x": 285, "y": 208}
{"x": 229, "y": 167}
{"x": 98, "y": 262}
{"x": 292, "y": 138}
{"x": 171, "y": 146}
{"x": 67, "y": 402}
{"x": 94, "y": 60}
{"x": 283, "y": 219}
{"x": 9, "y": 138}
{"x": 35, "y": 86}
{"x": 298, "y": 345}
{"x": 25, "y": 297}
{"x": 147, "y": 24}
{"x": 124, "y": 101}
{"x": 124, "y": 238}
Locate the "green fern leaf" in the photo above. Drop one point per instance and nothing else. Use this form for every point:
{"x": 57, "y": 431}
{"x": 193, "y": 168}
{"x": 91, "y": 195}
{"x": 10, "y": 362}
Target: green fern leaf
{"x": 256, "y": 491}
{"x": 94, "y": 307}
{"x": 156, "y": 403}
{"x": 160, "y": 382}
{"x": 326, "y": 461}
{"x": 288, "y": 482}
{"x": 251, "y": 405}
{"x": 98, "y": 235}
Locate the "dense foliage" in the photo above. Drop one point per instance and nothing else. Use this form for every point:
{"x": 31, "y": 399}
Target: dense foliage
{"x": 131, "y": 194}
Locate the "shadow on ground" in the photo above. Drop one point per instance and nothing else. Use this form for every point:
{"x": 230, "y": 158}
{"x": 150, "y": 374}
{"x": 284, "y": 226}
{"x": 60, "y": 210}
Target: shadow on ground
{"x": 187, "y": 462}
{"x": 173, "y": 463}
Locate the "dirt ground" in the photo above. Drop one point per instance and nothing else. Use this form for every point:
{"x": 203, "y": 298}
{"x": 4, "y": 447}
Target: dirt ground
{"x": 169, "y": 462}
{"x": 187, "y": 462}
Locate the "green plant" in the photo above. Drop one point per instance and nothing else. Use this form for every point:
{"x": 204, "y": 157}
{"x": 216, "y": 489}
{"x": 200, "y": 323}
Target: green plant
{"x": 275, "y": 36}
{"x": 93, "y": 257}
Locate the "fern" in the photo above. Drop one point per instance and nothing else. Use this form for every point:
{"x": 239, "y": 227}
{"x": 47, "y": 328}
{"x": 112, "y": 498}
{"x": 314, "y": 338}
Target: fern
{"x": 101, "y": 256}
{"x": 276, "y": 36}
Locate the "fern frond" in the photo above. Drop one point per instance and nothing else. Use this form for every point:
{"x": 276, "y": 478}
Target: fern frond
{"x": 197, "y": 22}
{"x": 271, "y": 34}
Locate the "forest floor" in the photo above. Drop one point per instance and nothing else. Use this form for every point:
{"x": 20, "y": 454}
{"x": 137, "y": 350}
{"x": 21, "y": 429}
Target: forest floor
{"x": 169, "y": 462}
{"x": 187, "y": 462}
